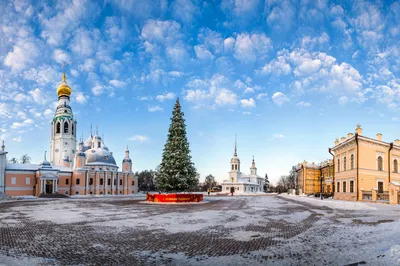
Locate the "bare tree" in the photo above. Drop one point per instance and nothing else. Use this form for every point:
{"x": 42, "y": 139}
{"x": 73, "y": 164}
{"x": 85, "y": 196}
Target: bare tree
{"x": 13, "y": 160}
{"x": 25, "y": 159}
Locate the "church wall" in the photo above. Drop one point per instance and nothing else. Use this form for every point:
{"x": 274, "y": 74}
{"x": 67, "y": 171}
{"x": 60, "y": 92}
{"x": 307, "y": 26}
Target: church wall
{"x": 20, "y": 188}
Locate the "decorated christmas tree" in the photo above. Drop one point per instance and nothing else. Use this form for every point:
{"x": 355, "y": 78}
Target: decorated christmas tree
{"x": 176, "y": 171}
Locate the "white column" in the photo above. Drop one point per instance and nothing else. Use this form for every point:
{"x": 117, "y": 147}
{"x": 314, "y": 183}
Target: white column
{"x": 53, "y": 187}
{"x": 44, "y": 186}
{"x": 56, "y": 186}
{"x": 41, "y": 185}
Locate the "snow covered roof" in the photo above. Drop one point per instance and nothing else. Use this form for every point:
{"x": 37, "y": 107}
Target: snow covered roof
{"x": 23, "y": 167}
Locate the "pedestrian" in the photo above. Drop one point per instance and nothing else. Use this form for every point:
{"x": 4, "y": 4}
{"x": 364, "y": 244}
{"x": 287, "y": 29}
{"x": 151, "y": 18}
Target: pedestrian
{"x": 208, "y": 192}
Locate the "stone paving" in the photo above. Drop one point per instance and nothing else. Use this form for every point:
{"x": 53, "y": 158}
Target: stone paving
{"x": 280, "y": 231}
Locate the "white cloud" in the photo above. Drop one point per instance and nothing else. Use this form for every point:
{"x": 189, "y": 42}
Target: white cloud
{"x": 202, "y": 53}
{"x": 246, "y": 113}
{"x": 17, "y": 139}
{"x": 303, "y": 104}
{"x": 23, "y": 55}
{"x": 83, "y": 43}
{"x": 61, "y": 56}
{"x": 276, "y": 66}
{"x": 280, "y": 14}
{"x": 117, "y": 83}
{"x": 343, "y": 100}
{"x": 185, "y": 10}
{"x": 155, "y": 108}
{"x": 5, "y": 110}
{"x": 241, "y": 8}
{"x": 249, "y": 48}
{"x": 145, "y": 98}
{"x": 88, "y": 66}
{"x": 280, "y": 98}
{"x": 277, "y": 136}
{"x": 167, "y": 96}
{"x": 81, "y": 98}
{"x": 25, "y": 123}
{"x": 98, "y": 90}
{"x": 38, "y": 96}
{"x": 248, "y": 103}
{"x": 261, "y": 96}
{"x": 48, "y": 112}
{"x": 140, "y": 138}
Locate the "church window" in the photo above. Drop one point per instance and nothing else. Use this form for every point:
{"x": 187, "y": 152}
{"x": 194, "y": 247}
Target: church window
{"x": 91, "y": 181}
{"x": 115, "y": 182}
{"x": 109, "y": 182}
{"x": 395, "y": 166}
{"x": 344, "y": 186}
{"x": 338, "y": 165}
{"x": 98, "y": 144}
{"x": 66, "y": 192}
{"x": 380, "y": 163}
{"x": 101, "y": 181}
{"x": 65, "y": 128}
{"x": 120, "y": 182}
{"x": 338, "y": 187}
{"x": 120, "y": 192}
{"x": 344, "y": 163}
{"x": 13, "y": 180}
{"x": 28, "y": 181}
{"x": 77, "y": 181}
{"x": 351, "y": 186}
{"x": 233, "y": 167}
{"x": 72, "y": 131}
{"x": 133, "y": 182}
{"x": 77, "y": 193}
{"x": 352, "y": 161}
{"x": 58, "y": 128}
{"x": 67, "y": 181}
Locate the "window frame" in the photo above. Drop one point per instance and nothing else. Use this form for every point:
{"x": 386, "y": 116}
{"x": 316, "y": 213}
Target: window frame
{"x": 351, "y": 183}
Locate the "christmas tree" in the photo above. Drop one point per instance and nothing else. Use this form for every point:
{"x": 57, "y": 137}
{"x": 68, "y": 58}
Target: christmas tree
{"x": 176, "y": 171}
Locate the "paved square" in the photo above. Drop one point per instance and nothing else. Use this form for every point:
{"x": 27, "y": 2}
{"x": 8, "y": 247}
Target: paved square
{"x": 248, "y": 230}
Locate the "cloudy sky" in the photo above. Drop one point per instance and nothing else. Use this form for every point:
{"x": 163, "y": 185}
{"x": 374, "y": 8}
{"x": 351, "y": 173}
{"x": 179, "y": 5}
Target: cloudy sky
{"x": 287, "y": 77}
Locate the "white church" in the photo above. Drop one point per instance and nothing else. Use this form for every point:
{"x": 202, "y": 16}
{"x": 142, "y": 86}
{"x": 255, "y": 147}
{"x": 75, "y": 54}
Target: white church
{"x": 241, "y": 183}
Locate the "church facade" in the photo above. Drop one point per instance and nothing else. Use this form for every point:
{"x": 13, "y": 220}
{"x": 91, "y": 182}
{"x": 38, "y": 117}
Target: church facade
{"x": 242, "y": 183}
{"x": 88, "y": 168}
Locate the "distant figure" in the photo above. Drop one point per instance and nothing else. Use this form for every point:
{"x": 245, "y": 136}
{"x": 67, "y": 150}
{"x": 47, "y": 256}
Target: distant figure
{"x": 232, "y": 190}
{"x": 208, "y": 192}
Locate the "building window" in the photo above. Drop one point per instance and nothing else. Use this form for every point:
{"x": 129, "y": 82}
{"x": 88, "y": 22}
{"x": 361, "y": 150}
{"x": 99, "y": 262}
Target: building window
{"x": 72, "y": 131}
{"x": 395, "y": 166}
{"x": 13, "y": 180}
{"x": 91, "y": 181}
{"x": 338, "y": 187}
{"x": 344, "y": 163}
{"x": 101, "y": 181}
{"x": 351, "y": 186}
{"x": 77, "y": 181}
{"x": 380, "y": 187}
{"x": 65, "y": 128}
{"x": 115, "y": 182}
{"x": 109, "y": 182}
{"x": 28, "y": 181}
{"x": 133, "y": 182}
{"x": 352, "y": 161}
{"x": 233, "y": 167}
{"x": 77, "y": 193}
{"x": 344, "y": 186}
{"x": 380, "y": 163}
{"x": 338, "y": 165}
{"x": 58, "y": 128}
{"x": 66, "y": 192}
{"x": 67, "y": 181}
{"x": 120, "y": 182}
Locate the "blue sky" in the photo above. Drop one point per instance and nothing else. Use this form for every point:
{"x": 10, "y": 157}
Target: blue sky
{"x": 287, "y": 77}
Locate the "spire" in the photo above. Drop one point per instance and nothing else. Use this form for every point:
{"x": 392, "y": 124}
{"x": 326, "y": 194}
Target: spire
{"x": 45, "y": 155}
{"x": 127, "y": 152}
{"x": 235, "y": 153}
{"x": 3, "y": 146}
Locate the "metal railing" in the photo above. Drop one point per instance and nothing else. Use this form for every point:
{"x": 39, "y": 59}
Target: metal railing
{"x": 367, "y": 195}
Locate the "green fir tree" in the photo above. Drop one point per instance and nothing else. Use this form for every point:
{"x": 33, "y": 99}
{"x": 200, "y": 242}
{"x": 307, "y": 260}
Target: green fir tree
{"x": 176, "y": 171}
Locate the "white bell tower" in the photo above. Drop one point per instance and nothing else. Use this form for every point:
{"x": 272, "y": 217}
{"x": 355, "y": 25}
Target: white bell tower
{"x": 63, "y": 128}
{"x": 234, "y": 173}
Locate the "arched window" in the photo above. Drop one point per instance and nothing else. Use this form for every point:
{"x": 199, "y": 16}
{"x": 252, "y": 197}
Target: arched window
{"x": 65, "y": 128}
{"x": 395, "y": 166}
{"x": 338, "y": 165}
{"x": 344, "y": 163}
{"x": 58, "y": 128}
{"x": 352, "y": 161}
{"x": 72, "y": 131}
{"x": 380, "y": 163}
{"x": 233, "y": 167}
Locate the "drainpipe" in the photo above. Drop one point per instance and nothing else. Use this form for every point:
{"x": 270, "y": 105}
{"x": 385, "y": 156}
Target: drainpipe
{"x": 333, "y": 177}
{"x": 86, "y": 181}
{"x": 358, "y": 166}
{"x": 70, "y": 186}
{"x": 390, "y": 148}
{"x": 302, "y": 168}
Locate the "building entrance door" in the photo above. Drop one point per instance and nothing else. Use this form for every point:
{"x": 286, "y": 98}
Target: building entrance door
{"x": 49, "y": 186}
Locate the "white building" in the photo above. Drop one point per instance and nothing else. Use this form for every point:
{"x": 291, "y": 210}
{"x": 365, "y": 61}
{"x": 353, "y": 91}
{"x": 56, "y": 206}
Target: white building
{"x": 239, "y": 182}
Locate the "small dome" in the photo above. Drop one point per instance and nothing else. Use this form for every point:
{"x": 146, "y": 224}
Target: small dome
{"x": 126, "y": 160}
{"x": 64, "y": 89}
{"x": 99, "y": 156}
{"x": 45, "y": 164}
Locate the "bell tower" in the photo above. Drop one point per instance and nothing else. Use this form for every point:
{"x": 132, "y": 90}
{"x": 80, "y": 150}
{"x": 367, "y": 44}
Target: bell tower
{"x": 63, "y": 128}
{"x": 234, "y": 173}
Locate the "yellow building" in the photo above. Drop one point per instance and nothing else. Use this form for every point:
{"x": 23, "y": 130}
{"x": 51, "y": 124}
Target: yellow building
{"x": 309, "y": 177}
{"x": 364, "y": 168}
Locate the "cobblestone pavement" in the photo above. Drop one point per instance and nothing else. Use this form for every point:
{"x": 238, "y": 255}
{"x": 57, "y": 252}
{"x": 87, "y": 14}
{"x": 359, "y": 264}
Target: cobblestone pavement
{"x": 225, "y": 231}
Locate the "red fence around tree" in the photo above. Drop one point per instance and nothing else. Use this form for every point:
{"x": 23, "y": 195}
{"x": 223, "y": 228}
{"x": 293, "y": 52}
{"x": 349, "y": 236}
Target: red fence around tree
{"x": 174, "y": 197}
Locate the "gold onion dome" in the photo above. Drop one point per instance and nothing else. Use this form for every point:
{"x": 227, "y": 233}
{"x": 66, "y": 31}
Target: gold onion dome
{"x": 64, "y": 89}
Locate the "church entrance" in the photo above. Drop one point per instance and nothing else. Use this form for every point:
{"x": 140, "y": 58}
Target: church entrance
{"x": 49, "y": 186}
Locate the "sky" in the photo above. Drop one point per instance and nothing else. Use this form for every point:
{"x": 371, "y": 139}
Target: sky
{"x": 288, "y": 77}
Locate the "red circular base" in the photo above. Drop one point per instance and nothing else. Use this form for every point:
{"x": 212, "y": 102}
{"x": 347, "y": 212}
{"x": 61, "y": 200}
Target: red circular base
{"x": 174, "y": 197}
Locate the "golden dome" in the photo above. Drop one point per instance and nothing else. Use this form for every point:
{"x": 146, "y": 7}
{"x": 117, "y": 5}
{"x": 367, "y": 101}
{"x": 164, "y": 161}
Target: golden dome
{"x": 64, "y": 89}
